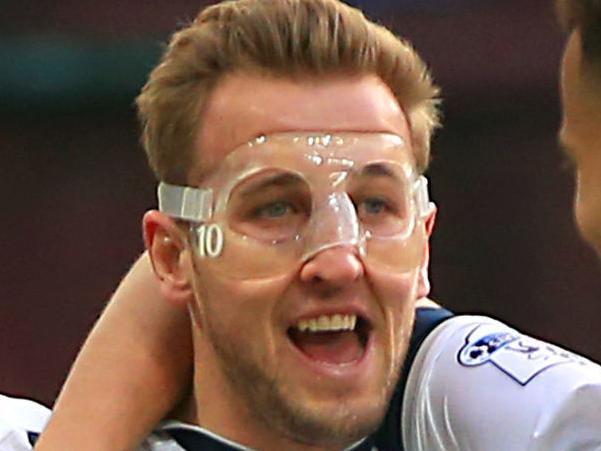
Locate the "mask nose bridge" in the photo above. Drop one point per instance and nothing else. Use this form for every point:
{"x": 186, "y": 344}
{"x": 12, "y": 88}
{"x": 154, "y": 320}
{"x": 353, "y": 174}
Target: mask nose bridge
{"x": 333, "y": 223}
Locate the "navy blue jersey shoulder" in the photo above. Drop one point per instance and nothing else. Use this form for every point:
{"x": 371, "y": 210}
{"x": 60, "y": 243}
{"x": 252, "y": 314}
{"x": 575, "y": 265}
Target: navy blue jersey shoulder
{"x": 388, "y": 437}
{"x": 32, "y": 437}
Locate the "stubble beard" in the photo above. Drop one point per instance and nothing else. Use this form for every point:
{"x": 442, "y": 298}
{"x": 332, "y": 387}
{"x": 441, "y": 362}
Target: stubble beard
{"x": 270, "y": 400}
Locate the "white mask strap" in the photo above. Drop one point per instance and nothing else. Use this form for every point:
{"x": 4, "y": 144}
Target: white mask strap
{"x": 422, "y": 197}
{"x": 183, "y": 202}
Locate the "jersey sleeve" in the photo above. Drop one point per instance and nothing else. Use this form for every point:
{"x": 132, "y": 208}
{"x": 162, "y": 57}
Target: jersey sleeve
{"x": 21, "y": 421}
{"x": 479, "y": 385}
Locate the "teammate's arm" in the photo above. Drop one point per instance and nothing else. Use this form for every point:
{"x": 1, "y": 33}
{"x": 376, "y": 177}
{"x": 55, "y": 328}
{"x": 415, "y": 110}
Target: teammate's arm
{"x": 479, "y": 384}
{"x": 132, "y": 370}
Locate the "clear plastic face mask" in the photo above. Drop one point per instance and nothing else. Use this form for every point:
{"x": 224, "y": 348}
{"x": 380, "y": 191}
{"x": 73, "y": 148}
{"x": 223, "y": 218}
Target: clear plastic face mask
{"x": 279, "y": 200}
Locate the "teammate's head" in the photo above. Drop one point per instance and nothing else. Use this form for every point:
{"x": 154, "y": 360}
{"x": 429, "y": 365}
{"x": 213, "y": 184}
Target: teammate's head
{"x": 302, "y": 351}
{"x": 581, "y": 94}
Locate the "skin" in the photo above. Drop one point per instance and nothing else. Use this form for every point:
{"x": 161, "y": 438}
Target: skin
{"x": 259, "y": 391}
{"x": 580, "y": 135}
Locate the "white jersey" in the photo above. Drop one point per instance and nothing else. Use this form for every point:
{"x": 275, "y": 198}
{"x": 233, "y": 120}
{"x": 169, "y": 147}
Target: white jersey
{"x": 18, "y": 419}
{"x": 478, "y": 385}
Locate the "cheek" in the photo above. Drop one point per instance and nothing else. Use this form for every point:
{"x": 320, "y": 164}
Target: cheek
{"x": 397, "y": 294}
{"x": 397, "y": 289}
{"x": 247, "y": 306}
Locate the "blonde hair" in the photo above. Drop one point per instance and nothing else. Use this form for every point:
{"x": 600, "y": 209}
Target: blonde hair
{"x": 282, "y": 38}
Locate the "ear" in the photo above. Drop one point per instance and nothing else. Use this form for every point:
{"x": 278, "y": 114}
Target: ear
{"x": 166, "y": 246}
{"x": 423, "y": 283}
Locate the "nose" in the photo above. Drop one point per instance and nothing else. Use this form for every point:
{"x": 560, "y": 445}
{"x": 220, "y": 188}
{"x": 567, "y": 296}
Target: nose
{"x": 335, "y": 266}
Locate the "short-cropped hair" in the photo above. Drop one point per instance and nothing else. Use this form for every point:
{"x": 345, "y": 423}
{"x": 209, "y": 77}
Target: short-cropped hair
{"x": 282, "y": 38}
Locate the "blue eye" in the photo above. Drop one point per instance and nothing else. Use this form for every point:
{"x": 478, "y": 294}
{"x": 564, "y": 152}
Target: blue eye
{"x": 275, "y": 210}
{"x": 374, "y": 205}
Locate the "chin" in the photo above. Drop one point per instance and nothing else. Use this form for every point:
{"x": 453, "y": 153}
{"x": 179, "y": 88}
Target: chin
{"x": 340, "y": 423}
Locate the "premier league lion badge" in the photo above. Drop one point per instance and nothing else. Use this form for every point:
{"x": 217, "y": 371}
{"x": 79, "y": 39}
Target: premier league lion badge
{"x": 520, "y": 357}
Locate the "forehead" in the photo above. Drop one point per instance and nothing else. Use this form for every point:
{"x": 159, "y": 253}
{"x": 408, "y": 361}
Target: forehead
{"x": 244, "y": 106}
{"x": 328, "y": 158}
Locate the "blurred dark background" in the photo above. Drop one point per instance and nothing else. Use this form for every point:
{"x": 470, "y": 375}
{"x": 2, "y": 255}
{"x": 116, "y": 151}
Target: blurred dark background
{"x": 74, "y": 182}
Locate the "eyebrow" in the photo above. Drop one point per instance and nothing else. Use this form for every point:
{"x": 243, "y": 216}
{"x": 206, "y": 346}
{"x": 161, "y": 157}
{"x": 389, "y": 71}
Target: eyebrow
{"x": 276, "y": 180}
{"x": 379, "y": 170}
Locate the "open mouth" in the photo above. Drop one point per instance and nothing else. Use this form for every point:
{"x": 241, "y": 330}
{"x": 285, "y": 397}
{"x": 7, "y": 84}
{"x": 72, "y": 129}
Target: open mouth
{"x": 333, "y": 339}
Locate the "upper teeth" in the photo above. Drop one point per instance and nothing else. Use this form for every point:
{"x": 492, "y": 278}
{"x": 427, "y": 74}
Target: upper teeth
{"x": 328, "y": 323}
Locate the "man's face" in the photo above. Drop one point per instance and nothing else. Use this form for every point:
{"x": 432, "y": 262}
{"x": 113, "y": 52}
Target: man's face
{"x": 581, "y": 136}
{"x": 327, "y": 387}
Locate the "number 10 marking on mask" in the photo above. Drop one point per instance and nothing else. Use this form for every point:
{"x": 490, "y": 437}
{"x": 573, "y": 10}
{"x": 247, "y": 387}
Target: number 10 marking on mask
{"x": 210, "y": 240}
